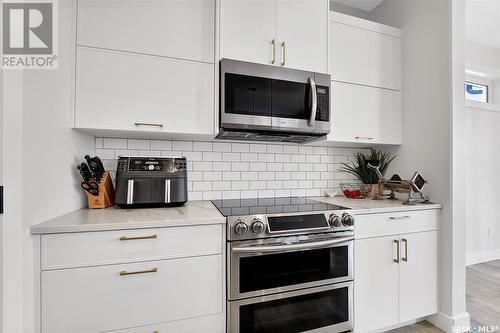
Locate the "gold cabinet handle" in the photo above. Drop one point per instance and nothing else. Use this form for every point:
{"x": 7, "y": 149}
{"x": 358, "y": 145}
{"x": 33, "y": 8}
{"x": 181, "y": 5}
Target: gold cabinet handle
{"x": 400, "y": 217}
{"x": 283, "y": 54}
{"x": 405, "y": 258}
{"x": 125, "y": 238}
{"x": 397, "y": 256}
{"x": 273, "y": 51}
{"x": 152, "y": 270}
{"x": 148, "y": 124}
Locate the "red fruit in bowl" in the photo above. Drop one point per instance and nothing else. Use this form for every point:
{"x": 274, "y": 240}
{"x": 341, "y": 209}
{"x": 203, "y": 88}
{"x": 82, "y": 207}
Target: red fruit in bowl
{"x": 356, "y": 193}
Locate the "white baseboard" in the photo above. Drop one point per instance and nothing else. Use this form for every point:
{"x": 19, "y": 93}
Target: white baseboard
{"x": 450, "y": 324}
{"x": 484, "y": 256}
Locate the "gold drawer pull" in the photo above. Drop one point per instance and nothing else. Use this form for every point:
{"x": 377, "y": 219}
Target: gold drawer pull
{"x": 124, "y": 238}
{"x": 364, "y": 138}
{"x": 155, "y": 331}
{"x": 399, "y": 217}
{"x": 152, "y": 270}
{"x": 148, "y": 124}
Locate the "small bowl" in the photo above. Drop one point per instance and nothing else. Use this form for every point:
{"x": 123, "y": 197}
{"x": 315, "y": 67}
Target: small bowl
{"x": 353, "y": 191}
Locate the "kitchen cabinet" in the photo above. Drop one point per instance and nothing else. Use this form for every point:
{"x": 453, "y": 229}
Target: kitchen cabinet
{"x": 134, "y": 92}
{"x": 365, "y": 67}
{"x": 140, "y": 280}
{"x": 146, "y": 67}
{"x": 288, "y": 33}
{"x": 365, "y": 114}
{"x": 170, "y": 28}
{"x": 395, "y": 268}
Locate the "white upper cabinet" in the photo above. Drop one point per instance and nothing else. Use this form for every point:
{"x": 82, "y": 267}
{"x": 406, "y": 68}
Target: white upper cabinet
{"x": 146, "y": 66}
{"x": 248, "y": 30}
{"x": 172, "y": 28}
{"x": 288, "y": 33}
{"x": 126, "y": 91}
{"x": 303, "y": 34}
{"x": 364, "y": 52}
{"x": 365, "y": 67}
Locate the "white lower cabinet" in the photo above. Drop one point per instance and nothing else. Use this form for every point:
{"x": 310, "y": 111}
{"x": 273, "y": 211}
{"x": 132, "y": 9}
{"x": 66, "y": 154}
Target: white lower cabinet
{"x": 183, "y": 294}
{"x": 395, "y": 277}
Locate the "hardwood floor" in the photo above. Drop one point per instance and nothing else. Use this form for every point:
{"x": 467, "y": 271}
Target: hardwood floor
{"x": 483, "y": 298}
{"x": 483, "y": 293}
{"x": 422, "y": 327}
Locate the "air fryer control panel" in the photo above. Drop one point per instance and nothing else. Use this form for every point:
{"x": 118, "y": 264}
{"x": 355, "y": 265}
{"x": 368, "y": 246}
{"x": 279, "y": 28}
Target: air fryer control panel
{"x": 152, "y": 164}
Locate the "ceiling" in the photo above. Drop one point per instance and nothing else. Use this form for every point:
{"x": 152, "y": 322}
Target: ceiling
{"x": 366, "y": 5}
{"x": 482, "y": 19}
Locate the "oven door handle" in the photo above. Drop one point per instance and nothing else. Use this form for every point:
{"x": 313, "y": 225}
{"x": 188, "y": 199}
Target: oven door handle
{"x": 314, "y": 102}
{"x": 291, "y": 247}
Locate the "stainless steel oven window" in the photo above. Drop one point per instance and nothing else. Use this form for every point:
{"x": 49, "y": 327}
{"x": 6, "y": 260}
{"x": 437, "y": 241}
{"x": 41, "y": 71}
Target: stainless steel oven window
{"x": 318, "y": 310}
{"x": 273, "y": 248}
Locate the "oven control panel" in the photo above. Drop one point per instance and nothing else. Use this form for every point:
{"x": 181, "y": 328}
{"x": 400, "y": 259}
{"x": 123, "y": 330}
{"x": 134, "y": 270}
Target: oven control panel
{"x": 277, "y": 225}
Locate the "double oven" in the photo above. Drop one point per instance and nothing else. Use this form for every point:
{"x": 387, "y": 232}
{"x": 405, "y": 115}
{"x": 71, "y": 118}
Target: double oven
{"x": 289, "y": 272}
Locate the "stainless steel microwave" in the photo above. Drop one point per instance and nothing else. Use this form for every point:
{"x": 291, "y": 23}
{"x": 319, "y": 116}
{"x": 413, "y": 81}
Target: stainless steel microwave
{"x": 271, "y": 103}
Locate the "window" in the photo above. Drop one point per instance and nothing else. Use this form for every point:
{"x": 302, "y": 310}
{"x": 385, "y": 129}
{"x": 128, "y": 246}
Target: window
{"x": 476, "y": 92}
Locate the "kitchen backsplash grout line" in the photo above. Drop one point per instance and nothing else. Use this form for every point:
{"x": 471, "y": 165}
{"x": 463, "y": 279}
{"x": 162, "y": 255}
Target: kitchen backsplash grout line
{"x": 232, "y": 170}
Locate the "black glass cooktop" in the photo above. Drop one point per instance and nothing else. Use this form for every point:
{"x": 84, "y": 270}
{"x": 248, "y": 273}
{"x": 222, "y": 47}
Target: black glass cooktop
{"x": 235, "y": 207}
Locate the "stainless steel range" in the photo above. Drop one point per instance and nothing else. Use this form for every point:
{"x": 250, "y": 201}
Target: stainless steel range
{"x": 289, "y": 265}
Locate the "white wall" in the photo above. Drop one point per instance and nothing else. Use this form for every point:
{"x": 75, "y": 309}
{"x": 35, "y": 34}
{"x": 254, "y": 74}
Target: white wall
{"x": 481, "y": 136}
{"x": 40, "y": 176}
{"x": 428, "y": 142}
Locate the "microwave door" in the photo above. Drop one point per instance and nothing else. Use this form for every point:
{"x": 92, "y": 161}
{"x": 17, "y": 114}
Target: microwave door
{"x": 293, "y": 105}
{"x": 246, "y": 102}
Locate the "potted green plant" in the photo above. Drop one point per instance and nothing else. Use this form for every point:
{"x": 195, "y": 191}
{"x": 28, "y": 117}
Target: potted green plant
{"x": 359, "y": 168}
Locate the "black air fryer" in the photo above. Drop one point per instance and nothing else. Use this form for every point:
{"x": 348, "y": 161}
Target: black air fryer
{"x": 151, "y": 182}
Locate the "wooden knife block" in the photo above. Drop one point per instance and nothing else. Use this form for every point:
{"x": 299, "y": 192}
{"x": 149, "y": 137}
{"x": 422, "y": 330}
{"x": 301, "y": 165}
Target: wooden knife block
{"x": 106, "y": 197}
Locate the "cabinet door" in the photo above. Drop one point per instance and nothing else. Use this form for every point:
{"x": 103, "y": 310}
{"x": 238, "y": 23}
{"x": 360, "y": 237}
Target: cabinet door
{"x": 247, "y": 30}
{"x": 365, "y": 57}
{"x": 418, "y": 275}
{"x": 172, "y": 28}
{"x": 303, "y": 27}
{"x": 106, "y": 298}
{"x": 375, "y": 284}
{"x": 365, "y": 114}
{"x": 117, "y": 91}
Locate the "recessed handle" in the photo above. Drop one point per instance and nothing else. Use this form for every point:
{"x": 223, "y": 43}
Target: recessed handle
{"x": 125, "y": 238}
{"x": 152, "y": 270}
{"x": 148, "y": 124}
{"x": 397, "y": 251}
{"x": 405, "y": 241}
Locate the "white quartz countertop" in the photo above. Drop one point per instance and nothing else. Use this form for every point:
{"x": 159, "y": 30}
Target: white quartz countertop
{"x": 114, "y": 218}
{"x": 370, "y": 206}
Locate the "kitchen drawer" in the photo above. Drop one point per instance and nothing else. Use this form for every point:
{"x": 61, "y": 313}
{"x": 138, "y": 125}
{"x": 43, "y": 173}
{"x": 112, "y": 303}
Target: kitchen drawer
{"x": 122, "y": 246}
{"x": 378, "y": 225}
{"x": 97, "y": 299}
{"x": 208, "y": 324}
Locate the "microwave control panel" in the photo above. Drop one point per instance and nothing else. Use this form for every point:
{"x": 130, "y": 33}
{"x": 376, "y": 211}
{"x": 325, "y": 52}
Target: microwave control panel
{"x": 323, "y": 112}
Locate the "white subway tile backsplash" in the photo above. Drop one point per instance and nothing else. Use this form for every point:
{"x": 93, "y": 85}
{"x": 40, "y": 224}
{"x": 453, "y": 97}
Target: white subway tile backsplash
{"x": 231, "y": 157}
{"x": 242, "y": 170}
{"x": 161, "y": 145}
{"x": 138, "y": 144}
{"x": 182, "y": 145}
{"x": 115, "y": 143}
{"x": 258, "y": 148}
{"x": 202, "y": 146}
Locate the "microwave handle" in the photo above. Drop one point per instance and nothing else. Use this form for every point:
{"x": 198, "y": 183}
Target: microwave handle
{"x": 292, "y": 247}
{"x": 314, "y": 102}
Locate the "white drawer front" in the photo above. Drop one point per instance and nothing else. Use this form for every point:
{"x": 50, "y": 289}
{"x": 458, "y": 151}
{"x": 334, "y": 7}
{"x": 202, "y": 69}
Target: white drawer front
{"x": 113, "y": 247}
{"x": 97, "y": 299}
{"x": 208, "y": 324}
{"x": 378, "y": 225}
